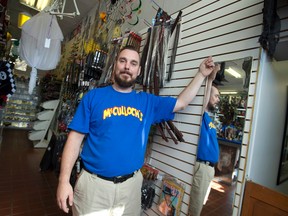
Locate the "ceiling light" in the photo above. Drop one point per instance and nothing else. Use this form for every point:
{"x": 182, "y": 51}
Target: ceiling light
{"x": 228, "y": 92}
{"x": 233, "y": 72}
{"x": 42, "y": 4}
{"x": 36, "y": 4}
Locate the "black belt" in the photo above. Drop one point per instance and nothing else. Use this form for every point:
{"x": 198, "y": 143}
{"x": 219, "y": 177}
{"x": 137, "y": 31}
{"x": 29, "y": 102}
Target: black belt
{"x": 206, "y": 162}
{"x": 115, "y": 180}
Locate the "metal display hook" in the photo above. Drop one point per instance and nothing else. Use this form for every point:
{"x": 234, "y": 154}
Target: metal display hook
{"x": 58, "y": 6}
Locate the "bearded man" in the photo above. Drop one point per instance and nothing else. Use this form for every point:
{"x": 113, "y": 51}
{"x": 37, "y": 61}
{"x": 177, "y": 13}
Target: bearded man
{"x": 115, "y": 121}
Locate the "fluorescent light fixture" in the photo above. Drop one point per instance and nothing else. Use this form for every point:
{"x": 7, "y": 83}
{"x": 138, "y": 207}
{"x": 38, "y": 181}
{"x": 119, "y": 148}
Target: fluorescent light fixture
{"x": 233, "y": 72}
{"x": 228, "y": 92}
{"x": 22, "y": 18}
{"x": 36, "y": 4}
{"x": 42, "y": 4}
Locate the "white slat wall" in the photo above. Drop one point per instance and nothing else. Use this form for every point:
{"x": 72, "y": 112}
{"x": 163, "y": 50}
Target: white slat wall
{"x": 227, "y": 30}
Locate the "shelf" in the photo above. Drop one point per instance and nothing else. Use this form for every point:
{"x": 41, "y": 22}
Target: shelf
{"x": 22, "y": 102}
{"x": 19, "y": 115}
{"x": 17, "y": 120}
{"x": 40, "y": 125}
{"x": 41, "y": 144}
{"x": 229, "y": 142}
{"x": 241, "y": 109}
{"x": 50, "y": 104}
{"x": 45, "y": 115}
{"x": 20, "y": 107}
{"x": 240, "y": 116}
{"x": 41, "y": 133}
{"x": 36, "y": 135}
{"x": 18, "y": 125}
{"x": 25, "y": 97}
{"x": 21, "y": 112}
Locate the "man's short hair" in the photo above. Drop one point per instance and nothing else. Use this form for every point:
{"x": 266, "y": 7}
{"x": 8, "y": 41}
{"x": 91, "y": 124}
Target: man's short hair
{"x": 127, "y": 47}
{"x": 215, "y": 85}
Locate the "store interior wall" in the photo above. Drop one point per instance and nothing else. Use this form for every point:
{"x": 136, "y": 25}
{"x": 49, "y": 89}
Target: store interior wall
{"x": 209, "y": 28}
{"x": 269, "y": 124}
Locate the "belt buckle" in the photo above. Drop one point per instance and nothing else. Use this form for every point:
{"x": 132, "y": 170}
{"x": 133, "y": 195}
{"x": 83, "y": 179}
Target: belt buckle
{"x": 118, "y": 179}
{"x": 207, "y": 163}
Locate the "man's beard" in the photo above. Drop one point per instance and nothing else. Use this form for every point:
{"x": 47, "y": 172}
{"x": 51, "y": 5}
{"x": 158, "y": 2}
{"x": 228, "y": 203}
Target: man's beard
{"x": 123, "y": 83}
{"x": 213, "y": 108}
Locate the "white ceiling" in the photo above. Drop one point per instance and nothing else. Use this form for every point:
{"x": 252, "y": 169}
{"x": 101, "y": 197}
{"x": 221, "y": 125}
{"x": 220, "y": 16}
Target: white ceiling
{"x": 67, "y": 25}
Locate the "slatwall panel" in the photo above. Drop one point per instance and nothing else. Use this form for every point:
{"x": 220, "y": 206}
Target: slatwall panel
{"x": 226, "y": 30}
{"x": 282, "y": 13}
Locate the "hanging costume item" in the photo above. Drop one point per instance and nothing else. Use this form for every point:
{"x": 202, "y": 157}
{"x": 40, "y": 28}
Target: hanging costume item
{"x": 106, "y": 76}
{"x": 155, "y": 52}
{"x": 40, "y": 44}
{"x": 7, "y": 83}
{"x": 220, "y": 76}
{"x": 154, "y": 60}
{"x": 246, "y": 66}
{"x": 271, "y": 27}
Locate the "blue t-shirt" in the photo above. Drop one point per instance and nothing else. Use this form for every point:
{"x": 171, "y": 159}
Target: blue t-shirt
{"x": 117, "y": 127}
{"x": 208, "y": 148}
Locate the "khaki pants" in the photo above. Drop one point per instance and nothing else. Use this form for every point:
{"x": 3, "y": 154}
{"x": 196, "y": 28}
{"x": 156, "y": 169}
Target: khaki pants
{"x": 94, "y": 196}
{"x": 203, "y": 175}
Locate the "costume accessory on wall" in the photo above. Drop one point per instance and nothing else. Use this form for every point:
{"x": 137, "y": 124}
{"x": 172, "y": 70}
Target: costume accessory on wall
{"x": 147, "y": 195}
{"x": 154, "y": 60}
{"x": 170, "y": 200}
{"x": 40, "y": 44}
{"x": 7, "y": 82}
{"x": 271, "y": 27}
{"x": 148, "y": 188}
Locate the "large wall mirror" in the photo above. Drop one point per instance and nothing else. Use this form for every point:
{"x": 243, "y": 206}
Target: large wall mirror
{"x": 232, "y": 81}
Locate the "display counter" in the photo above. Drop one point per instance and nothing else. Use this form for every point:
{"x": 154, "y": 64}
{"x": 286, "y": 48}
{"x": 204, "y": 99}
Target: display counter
{"x": 227, "y": 166}
{"x": 229, "y": 142}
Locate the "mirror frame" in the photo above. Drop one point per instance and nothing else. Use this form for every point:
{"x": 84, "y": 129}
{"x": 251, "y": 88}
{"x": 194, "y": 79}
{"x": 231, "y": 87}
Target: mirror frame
{"x": 283, "y": 164}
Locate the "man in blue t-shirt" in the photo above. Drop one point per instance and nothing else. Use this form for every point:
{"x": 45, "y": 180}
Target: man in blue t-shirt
{"x": 115, "y": 121}
{"x": 207, "y": 151}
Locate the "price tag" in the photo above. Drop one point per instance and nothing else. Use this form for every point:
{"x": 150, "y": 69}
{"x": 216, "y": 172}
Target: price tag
{"x": 47, "y": 43}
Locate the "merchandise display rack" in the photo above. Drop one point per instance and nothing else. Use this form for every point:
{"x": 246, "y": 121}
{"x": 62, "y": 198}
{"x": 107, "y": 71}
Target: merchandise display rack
{"x": 21, "y": 108}
{"x": 41, "y": 133}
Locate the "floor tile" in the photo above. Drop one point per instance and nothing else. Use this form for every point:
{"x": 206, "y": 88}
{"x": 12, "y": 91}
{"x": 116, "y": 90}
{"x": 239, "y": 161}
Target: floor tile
{"x": 24, "y": 189}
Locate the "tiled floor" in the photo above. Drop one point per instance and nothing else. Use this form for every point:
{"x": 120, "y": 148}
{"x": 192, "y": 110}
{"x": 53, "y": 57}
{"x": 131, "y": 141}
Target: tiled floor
{"x": 24, "y": 189}
{"x": 220, "y": 200}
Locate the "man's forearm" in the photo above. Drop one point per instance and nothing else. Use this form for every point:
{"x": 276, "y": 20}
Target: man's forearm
{"x": 188, "y": 94}
{"x": 207, "y": 93}
{"x": 70, "y": 155}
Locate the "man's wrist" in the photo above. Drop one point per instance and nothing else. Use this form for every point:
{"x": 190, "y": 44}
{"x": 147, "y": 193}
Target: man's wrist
{"x": 64, "y": 179}
{"x": 211, "y": 79}
{"x": 201, "y": 74}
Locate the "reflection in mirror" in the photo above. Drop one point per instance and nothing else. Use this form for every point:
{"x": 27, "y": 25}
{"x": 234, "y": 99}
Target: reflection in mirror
{"x": 232, "y": 81}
